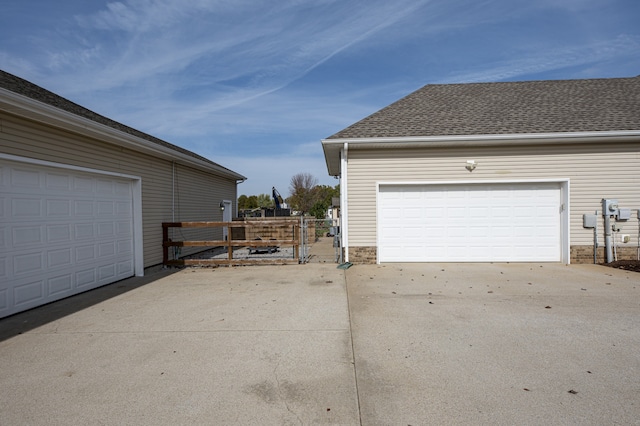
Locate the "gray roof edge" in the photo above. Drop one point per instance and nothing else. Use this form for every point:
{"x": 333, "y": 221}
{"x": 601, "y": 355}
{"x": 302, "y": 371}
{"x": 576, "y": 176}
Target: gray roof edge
{"x": 42, "y": 105}
{"x": 333, "y": 147}
{"x": 492, "y": 139}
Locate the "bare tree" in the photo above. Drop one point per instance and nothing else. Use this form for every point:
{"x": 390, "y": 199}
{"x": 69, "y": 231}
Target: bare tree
{"x": 303, "y": 194}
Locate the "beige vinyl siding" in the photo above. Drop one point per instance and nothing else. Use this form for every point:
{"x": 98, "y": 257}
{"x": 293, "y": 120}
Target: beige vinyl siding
{"x": 198, "y": 193}
{"x": 594, "y": 171}
{"x": 197, "y": 198}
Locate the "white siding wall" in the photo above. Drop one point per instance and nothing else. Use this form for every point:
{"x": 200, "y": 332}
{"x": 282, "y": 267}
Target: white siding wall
{"x": 198, "y": 194}
{"x": 595, "y": 172}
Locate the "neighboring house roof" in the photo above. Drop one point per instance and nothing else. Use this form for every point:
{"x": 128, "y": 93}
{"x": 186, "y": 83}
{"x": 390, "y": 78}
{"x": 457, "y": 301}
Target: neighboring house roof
{"x": 34, "y": 92}
{"x": 506, "y": 112}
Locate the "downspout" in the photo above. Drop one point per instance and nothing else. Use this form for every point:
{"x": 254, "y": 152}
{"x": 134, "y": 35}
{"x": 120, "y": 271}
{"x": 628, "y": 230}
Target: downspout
{"x": 344, "y": 210}
{"x": 173, "y": 205}
{"x": 638, "y": 247}
{"x": 607, "y": 236}
{"x": 173, "y": 191}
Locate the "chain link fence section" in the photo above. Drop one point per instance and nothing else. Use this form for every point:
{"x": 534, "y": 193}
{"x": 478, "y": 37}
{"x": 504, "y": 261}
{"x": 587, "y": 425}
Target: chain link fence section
{"x": 312, "y": 231}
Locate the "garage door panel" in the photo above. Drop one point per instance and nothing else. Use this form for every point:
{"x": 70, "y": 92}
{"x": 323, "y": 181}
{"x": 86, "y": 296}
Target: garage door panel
{"x": 392, "y": 251}
{"x": 27, "y": 263}
{"x": 125, "y": 248}
{"x": 123, "y": 209}
{"x": 479, "y": 212}
{"x": 84, "y": 231}
{"x": 125, "y": 268}
{"x": 523, "y": 231}
{"x": 412, "y": 213}
{"x": 123, "y": 228}
{"x": 84, "y": 208}
{"x": 28, "y": 294}
{"x": 106, "y": 273}
{"x": 500, "y": 212}
{"x": 107, "y": 249}
{"x": 412, "y": 195}
{"x": 104, "y": 186}
{"x": 58, "y": 233}
{"x": 434, "y": 232}
{"x": 58, "y": 181}
{"x": 454, "y": 231}
{"x": 478, "y": 232}
{"x": 25, "y": 236}
{"x": 524, "y": 213}
{"x": 59, "y": 258}
{"x": 86, "y": 279}
{"x": 105, "y": 208}
{"x": 26, "y": 208}
{"x": 546, "y": 210}
{"x": 497, "y": 232}
{"x": 60, "y": 285}
{"x": 24, "y": 178}
{"x": 456, "y": 213}
{"x": 487, "y": 222}
{"x": 106, "y": 230}
{"x": 85, "y": 253}
{"x": 4, "y": 300}
{"x": 59, "y": 209}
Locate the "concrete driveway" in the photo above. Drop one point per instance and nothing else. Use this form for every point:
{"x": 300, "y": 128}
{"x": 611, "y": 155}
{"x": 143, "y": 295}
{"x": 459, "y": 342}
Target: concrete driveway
{"x": 496, "y": 344}
{"x": 311, "y": 344}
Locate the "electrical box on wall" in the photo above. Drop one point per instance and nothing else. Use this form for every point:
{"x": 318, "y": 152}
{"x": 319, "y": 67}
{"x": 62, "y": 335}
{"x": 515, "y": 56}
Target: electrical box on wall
{"x": 589, "y": 221}
{"x": 623, "y": 214}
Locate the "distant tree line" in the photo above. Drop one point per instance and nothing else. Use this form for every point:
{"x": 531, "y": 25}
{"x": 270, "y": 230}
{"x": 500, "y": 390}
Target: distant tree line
{"x": 305, "y": 196}
{"x": 255, "y": 201}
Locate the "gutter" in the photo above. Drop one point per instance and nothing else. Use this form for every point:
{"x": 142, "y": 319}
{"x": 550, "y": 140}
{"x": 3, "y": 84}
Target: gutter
{"x": 482, "y": 140}
{"x": 332, "y": 147}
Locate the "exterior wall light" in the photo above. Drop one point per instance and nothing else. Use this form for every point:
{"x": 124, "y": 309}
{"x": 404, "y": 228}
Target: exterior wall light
{"x": 221, "y": 206}
{"x": 471, "y": 165}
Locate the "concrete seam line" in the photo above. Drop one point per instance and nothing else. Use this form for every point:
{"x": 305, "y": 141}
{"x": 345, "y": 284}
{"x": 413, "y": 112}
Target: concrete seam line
{"x": 353, "y": 350}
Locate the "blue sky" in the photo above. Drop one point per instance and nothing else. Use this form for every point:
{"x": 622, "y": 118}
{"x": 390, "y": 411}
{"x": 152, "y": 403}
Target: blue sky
{"x": 255, "y": 85}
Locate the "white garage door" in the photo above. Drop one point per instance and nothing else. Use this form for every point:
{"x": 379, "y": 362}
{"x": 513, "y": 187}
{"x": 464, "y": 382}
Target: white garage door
{"x": 62, "y": 232}
{"x": 470, "y": 223}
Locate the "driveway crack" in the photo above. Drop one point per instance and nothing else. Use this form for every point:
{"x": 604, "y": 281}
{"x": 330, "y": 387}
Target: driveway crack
{"x": 281, "y": 391}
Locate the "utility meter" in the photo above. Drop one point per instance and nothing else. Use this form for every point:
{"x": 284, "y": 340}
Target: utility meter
{"x": 609, "y": 207}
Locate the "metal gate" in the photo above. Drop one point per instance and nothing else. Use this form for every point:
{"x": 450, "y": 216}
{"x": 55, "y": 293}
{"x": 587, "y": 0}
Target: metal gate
{"x": 312, "y": 230}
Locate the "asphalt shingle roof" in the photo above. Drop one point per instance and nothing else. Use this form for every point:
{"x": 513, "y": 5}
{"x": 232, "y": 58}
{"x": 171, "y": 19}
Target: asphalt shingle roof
{"x": 507, "y": 108}
{"x": 23, "y": 87}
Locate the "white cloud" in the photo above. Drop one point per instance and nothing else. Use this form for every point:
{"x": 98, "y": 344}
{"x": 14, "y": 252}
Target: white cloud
{"x": 139, "y": 16}
{"x": 268, "y": 45}
{"x": 545, "y": 60}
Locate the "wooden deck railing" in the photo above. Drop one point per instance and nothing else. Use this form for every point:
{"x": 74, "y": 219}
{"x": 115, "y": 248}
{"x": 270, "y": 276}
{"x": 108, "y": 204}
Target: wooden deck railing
{"x": 230, "y": 244}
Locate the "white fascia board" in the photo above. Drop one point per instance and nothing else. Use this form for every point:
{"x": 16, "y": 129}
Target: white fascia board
{"x": 332, "y": 147}
{"x": 53, "y": 116}
{"x": 500, "y": 139}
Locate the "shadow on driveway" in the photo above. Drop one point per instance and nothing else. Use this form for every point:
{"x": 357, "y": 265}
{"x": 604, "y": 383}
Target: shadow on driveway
{"x": 23, "y": 322}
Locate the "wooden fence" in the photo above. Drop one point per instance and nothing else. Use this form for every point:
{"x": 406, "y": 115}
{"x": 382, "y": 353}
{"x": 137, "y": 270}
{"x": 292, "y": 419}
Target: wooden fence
{"x": 284, "y": 228}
